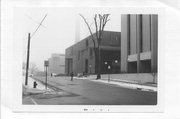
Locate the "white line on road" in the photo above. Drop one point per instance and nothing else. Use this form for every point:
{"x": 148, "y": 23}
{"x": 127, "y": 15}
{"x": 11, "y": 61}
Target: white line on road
{"x": 33, "y": 101}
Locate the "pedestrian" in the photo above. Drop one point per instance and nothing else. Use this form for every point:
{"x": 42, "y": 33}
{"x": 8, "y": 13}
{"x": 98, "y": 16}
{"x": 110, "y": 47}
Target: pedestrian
{"x": 72, "y": 76}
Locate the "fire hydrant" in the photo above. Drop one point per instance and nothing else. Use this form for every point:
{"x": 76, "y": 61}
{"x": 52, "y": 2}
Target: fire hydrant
{"x": 35, "y": 84}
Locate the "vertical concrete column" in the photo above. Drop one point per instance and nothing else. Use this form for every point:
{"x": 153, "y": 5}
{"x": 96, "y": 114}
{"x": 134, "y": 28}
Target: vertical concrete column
{"x": 125, "y": 24}
{"x": 154, "y": 42}
{"x": 66, "y": 66}
{"x": 138, "y": 40}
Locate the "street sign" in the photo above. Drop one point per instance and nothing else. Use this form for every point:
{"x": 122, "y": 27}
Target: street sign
{"x": 46, "y": 63}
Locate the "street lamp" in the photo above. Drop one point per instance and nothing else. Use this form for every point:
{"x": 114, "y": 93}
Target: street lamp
{"x": 109, "y": 67}
{"x": 116, "y": 66}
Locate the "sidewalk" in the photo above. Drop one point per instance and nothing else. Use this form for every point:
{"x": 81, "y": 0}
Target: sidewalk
{"x": 123, "y": 83}
{"x": 29, "y": 90}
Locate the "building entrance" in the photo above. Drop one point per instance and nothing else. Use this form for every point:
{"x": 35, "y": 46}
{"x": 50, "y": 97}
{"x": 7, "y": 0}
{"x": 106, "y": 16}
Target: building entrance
{"x": 132, "y": 67}
{"x": 112, "y": 59}
{"x": 146, "y": 66}
{"x": 86, "y": 66}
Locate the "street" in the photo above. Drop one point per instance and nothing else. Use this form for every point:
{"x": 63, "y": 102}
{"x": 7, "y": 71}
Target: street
{"x": 86, "y": 92}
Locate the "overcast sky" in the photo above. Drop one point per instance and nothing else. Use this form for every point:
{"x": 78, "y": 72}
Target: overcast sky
{"x": 57, "y": 32}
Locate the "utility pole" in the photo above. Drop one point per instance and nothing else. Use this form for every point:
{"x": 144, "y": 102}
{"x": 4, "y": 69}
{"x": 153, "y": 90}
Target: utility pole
{"x": 27, "y": 63}
{"x": 28, "y": 50}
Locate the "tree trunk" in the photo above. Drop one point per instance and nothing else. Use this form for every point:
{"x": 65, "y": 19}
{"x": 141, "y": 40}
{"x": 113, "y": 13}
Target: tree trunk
{"x": 95, "y": 57}
{"x": 98, "y": 63}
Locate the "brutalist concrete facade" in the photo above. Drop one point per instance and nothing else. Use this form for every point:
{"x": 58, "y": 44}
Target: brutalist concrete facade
{"x": 139, "y": 41}
{"x": 80, "y": 57}
{"x": 56, "y": 64}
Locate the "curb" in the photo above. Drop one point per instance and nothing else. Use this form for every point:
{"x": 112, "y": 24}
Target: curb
{"x": 125, "y": 82}
{"x": 143, "y": 89}
{"x": 30, "y": 91}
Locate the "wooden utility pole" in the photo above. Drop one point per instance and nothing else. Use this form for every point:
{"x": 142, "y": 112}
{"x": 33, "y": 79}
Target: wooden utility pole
{"x": 27, "y": 63}
{"x": 28, "y": 50}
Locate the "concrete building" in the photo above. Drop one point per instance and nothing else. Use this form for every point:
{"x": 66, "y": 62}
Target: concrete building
{"x": 139, "y": 41}
{"x": 80, "y": 57}
{"x": 56, "y": 64}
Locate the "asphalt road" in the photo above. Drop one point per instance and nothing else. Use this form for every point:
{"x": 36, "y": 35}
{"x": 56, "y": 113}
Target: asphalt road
{"x": 86, "y": 92}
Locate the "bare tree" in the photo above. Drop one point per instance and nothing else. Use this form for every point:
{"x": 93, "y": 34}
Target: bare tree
{"x": 100, "y": 23}
{"x": 24, "y": 66}
{"x": 32, "y": 68}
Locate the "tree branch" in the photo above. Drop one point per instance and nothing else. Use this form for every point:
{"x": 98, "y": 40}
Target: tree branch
{"x": 92, "y": 37}
{"x": 95, "y": 21}
{"x": 87, "y": 24}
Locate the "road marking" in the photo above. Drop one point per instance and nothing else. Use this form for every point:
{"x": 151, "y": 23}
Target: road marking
{"x": 33, "y": 101}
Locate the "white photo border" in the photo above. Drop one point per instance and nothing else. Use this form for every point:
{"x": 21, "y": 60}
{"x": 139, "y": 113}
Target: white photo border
{"x": 17, "y": 105}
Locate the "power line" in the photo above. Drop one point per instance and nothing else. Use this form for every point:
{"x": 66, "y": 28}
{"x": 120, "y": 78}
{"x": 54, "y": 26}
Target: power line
{"x": 33, "y": 20}
{"x": 28, "y": 49}
{"x": 38, "y": 26}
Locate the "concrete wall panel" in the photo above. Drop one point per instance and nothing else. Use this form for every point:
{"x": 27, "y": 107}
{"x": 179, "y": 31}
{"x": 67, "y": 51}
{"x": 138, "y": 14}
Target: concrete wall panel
{"x": 124, "y": 42}
{"x": 56, "y": 64}
{"x": 133, "y": 77}
{"x": 146, "y": 33}
{"x": 133, "y": 34}
{"x": 154, "y": 42}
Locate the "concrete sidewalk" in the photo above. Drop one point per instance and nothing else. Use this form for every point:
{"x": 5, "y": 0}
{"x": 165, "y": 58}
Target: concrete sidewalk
{"x": 123, "y": 83}
{"x": 29, "y": 90}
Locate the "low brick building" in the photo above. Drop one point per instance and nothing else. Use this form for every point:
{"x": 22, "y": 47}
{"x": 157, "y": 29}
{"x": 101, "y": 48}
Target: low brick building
{"x": 80, "y": 57}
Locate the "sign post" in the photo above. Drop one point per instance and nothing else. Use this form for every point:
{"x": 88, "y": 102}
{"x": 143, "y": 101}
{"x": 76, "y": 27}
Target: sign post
{"x": 46, "y": 64}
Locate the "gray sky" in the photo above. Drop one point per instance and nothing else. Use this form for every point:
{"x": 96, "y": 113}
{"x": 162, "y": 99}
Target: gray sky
{"x": 57, "y": 32}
